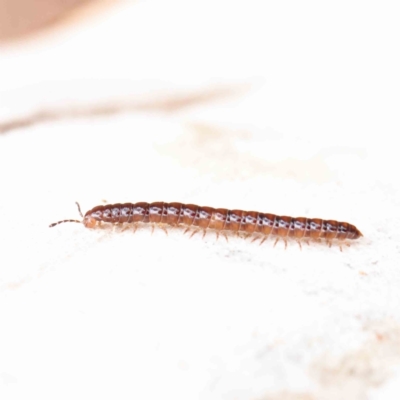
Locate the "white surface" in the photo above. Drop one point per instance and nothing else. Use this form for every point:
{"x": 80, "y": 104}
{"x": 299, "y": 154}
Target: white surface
{"x": 105, "y": 314}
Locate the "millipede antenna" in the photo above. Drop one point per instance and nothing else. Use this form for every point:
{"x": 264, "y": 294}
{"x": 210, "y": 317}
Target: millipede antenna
{"x": 65, "y": 220}
{"x": 79, "y": 209}
{"x": 69, "y": 220}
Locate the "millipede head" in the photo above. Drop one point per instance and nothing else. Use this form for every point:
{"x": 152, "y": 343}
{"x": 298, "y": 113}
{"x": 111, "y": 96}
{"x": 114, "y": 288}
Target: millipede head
{"x": 68, "y": 220}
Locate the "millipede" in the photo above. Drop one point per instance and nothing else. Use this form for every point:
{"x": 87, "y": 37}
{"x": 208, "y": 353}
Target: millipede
{"x": 220, "y": 220}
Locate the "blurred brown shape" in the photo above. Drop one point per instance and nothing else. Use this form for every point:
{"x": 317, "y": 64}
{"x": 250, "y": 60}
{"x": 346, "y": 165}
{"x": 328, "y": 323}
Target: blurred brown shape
{"x": 164, "y": 104}
{"x": 22, "y": 17}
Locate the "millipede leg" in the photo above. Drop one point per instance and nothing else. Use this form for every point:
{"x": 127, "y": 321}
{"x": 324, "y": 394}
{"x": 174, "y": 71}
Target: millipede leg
{"x": 263, "y": 240}
{"x": 255, "y": 238}
{"x": 276, "y": 241}
{"x": 163, "y": 228}
{"x": 217, "y": 234}
{"x": 135, "y": 226}
{"x": 299, "y": 244}
{"x": 226, "y": 237}
{"x": 340, "y": 246}
{"x": 186, "y": 230}
{"x": 193, "y": 233}
{"x": 124, "y": 227}
{"x": 152, "y": 229}
{"x": 285, "y": 243}
{"x": 204, "y": 233}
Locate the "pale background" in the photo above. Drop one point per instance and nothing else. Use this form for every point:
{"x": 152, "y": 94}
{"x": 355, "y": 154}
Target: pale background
{"x": 284, "y": 107}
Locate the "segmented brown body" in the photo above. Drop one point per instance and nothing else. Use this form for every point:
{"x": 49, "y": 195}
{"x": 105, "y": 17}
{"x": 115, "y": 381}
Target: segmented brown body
{"x": 220, "y": 220}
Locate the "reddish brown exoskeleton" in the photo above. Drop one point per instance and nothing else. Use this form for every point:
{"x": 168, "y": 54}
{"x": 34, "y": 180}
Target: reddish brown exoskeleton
{"x": 252, "y": 223}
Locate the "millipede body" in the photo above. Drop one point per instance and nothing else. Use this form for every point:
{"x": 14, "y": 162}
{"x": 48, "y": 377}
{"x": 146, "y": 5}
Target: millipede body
{"x": 221, "y": 220}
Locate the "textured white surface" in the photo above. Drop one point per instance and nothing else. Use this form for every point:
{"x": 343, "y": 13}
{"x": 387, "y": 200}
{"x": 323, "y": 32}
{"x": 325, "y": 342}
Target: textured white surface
{"x": 309, "y": 129}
